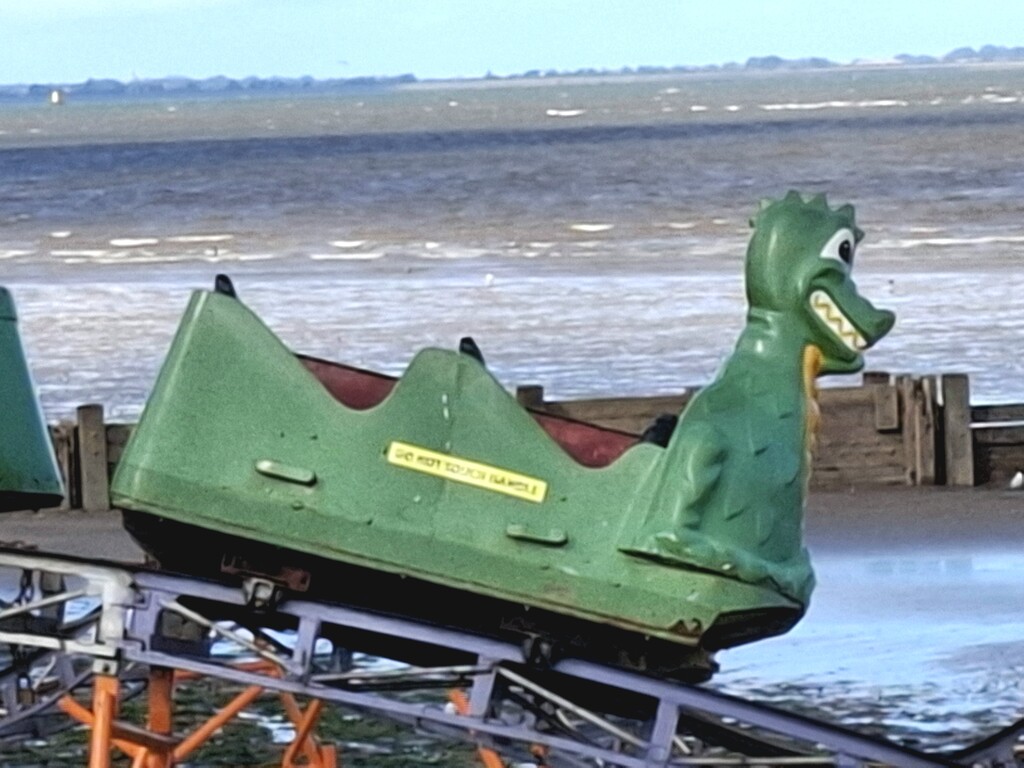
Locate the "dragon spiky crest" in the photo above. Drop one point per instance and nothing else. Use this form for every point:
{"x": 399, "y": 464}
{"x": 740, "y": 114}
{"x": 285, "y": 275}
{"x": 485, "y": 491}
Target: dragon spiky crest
{"x": 793, "y": 201}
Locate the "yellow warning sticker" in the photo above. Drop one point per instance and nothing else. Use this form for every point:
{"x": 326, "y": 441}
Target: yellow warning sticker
{"x": 461, "y": 470}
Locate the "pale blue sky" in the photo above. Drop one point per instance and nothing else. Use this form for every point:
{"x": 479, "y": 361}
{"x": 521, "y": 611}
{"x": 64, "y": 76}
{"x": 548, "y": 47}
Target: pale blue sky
{"x": 72, "y": 40}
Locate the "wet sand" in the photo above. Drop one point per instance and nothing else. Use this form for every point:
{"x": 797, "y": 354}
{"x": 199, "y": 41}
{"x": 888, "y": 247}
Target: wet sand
{"x": 886, "y": 519}
{"x": 915, "y": 630}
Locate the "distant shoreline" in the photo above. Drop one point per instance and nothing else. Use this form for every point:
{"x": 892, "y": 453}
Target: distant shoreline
{"x": 624, "y": 78}
{"x": 177, "y": 86}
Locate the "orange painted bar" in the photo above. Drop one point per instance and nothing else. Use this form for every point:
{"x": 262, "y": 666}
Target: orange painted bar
{"x": 207, "y": 729}
{"x": 119, "y": 738}
{"x": 303, "y": 740}
{"x": 104, "y": 704}
{"x": 161, "y": 707}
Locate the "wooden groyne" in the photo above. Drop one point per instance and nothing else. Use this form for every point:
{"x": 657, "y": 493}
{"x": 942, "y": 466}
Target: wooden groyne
{"x": 890, "y": 430}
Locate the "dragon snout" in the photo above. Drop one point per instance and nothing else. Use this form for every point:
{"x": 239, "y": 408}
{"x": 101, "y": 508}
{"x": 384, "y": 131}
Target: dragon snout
{"x": 849, "y": 318}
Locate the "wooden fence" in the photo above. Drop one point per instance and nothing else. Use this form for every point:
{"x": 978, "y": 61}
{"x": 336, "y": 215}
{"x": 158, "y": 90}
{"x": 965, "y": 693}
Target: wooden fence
{"x": 998, "y": 442}
{"x": 891, "y": 430}
{"x": 880, "y": 433}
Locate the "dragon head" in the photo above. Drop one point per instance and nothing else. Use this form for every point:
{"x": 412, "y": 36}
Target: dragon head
{"x": 799, "y": 265}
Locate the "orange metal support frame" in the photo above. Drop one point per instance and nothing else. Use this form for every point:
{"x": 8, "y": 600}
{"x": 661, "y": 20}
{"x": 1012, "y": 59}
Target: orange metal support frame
{"x": 155, "y": 746}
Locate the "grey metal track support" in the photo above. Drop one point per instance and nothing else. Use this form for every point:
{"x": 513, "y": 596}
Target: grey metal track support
{"x": 129, "y": 601}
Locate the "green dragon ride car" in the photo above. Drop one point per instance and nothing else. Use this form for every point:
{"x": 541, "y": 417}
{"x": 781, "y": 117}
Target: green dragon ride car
{"x": 438, "y": 495}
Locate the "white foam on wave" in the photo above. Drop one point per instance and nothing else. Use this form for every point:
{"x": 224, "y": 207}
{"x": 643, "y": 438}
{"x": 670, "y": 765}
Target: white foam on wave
{"x": 714, "y": 249}
{"x": 565, "y": 112}
{"x": 733, "y": 108}
{"x": 254, "y": 256}
{"x": 87, "y": 253}
{"x": 804, "y": 105}
{"x": 216, "y": 255}
{"x": 540, "y": 245}
{"x": 200, "y": 238}
{"x": 133, "y": 242}
{"x": 362, "y": 256}
{"x": 145, "y": 257}
{"x": 14, "y": 253}
{"x": 591, "y": 227}
{"x": 950, "y": 241}
{"x": 681, "y": 225}
{"x": 456, "y": 254}
{"x": 60, "y": 235}
{"x": 124, "y": 257}
{"x": 995, "y": 98}
{"x": 698, "y": 108}
{"x": 150, "y": 257}
{"x": 348, "y": 243}
{"x": 832, "y": 104}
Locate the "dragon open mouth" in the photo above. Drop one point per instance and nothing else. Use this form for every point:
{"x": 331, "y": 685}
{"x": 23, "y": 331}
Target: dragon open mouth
{"x": 834, "y": 319}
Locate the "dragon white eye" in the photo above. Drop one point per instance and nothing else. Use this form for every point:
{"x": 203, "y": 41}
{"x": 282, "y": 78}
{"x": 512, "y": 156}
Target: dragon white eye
{"x": 840, "y": 247}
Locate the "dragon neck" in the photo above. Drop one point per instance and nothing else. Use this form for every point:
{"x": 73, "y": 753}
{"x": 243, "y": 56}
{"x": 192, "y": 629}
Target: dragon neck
{"x": 774, "y": 348}
{"x": 772, "y": 344}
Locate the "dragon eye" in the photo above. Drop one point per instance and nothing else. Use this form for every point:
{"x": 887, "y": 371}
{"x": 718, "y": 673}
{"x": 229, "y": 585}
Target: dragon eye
{"x": 840, "y": 247}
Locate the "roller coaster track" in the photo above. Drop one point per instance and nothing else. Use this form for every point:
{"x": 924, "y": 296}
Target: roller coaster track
{"x": 74, "y": 622}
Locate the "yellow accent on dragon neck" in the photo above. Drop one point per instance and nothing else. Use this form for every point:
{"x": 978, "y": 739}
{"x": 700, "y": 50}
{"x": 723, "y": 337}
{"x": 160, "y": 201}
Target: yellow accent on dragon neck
{"x": 812, "y": 419}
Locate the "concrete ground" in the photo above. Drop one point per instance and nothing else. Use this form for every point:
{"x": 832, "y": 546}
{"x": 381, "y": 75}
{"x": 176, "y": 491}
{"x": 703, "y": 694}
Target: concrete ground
{"x": 86, "y": 534}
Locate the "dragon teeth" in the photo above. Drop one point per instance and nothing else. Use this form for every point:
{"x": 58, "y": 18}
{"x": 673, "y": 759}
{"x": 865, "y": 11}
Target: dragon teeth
{"x": 833, "y": 317}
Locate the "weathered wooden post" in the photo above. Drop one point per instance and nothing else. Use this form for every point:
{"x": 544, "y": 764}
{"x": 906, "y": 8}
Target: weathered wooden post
{"x": 918, "y": 416}
{"x": 886, "y": 401}
{"x": 909, "y": 421}
{"x": 92, "y": 458}
{"x": 927, "y": 428}
{"x": 530, "y": 396}
{"x": 62, "y": 435}
{"x": 956, "y": 426}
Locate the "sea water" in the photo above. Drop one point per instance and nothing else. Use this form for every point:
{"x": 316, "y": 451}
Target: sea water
{"x": 588, "y": 233}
